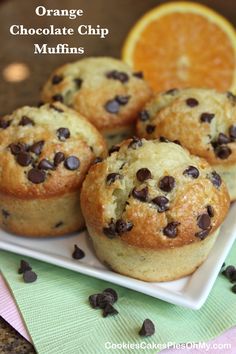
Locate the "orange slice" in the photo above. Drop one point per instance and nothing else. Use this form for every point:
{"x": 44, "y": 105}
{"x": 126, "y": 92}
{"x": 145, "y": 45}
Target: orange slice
{"x": 183, "y": 44}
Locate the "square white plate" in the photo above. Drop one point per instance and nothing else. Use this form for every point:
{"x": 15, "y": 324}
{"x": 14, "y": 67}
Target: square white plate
{"x": 191, "y": 291}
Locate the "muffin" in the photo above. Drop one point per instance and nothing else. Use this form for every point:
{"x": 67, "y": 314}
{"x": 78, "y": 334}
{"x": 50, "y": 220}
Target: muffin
{"x": 204, "y": 122}
{"x": 104, "y": 90}
{"x": 45, "y": 154}
{"x": 153, "y": 211}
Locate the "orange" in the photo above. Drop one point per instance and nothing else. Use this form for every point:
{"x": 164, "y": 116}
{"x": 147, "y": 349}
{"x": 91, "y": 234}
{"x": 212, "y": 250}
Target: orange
{"x": 183, "y": 44}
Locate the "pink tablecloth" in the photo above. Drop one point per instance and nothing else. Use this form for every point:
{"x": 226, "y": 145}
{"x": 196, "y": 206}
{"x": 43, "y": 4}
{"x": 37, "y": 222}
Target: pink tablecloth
{"x": 9, "y": 311}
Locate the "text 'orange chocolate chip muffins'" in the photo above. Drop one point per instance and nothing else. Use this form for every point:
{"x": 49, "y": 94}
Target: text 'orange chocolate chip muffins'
{"x": 104, "y": 90}
{"x": 45, "y": 154}
{"x": 153, "y": 211}
{"x": 202, "y": 120}
{"x": 183, "y": 44}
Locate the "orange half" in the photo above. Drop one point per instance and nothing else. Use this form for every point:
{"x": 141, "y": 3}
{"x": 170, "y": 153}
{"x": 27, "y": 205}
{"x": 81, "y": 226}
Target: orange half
{"x": 183, "y": 44}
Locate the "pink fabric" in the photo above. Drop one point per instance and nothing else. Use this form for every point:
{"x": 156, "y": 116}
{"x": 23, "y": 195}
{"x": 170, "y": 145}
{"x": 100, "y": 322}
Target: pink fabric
{"x": 9, "y": 311}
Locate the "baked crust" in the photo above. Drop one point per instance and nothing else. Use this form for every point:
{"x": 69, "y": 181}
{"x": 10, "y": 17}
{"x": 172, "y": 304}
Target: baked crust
{"x": 95, "y": 89}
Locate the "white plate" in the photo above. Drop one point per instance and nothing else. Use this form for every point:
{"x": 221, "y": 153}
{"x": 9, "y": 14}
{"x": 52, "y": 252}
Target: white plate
{"x": 191, "y": 291}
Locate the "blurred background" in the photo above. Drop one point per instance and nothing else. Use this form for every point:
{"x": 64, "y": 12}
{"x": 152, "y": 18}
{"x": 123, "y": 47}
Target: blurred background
{"x": 23, "y": 73}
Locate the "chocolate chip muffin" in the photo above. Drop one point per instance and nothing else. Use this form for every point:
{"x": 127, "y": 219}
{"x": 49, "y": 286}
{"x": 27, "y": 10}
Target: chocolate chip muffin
{"x": 202, "y": 120}
{"x": 104, "y": 90}
{"x": 45, "y": 154}
{"x": 153, "y": 211}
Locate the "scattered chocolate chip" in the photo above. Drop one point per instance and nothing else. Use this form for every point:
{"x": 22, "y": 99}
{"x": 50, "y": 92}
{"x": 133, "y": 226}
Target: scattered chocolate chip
{"x": 46, "y": 165}
{"x": 234, "y": 289}
{"x": 112, "y": 106}
{"x": 206, "y": 117}
{"x": 210, "y": 211}
{"x": 58, "y": 98}
{"x": 78, "y": 82}
{"x": 36, "y": 148}
{"x": 17, "y": 148}
{"x": 56, "y": 79}
{"x": 114, "y": 148}
{"x": 177, "y": 142}
{"x": 72, "y": 163}
{"x": 215, "y": 179}
{"x": 63, "y": 134}
{"x": 112, "y": 177}
{"x": 24, "y": 266}
{"x": 59, "y": 224}
{"x": 36, "y": 176}
{"x": 144, "y": 115}
{"x": 161, "y": 203}
{"x": 93, "y": 300}
{"x": 231, "y": 97}
{"x": 59, "y": 110}
{"x": 123, "y": 226}
{"x": 141, "y": 194}
{"x": 109, "y": 310}
{"x": 143, "y": 174}
{"x": 138, "y": 74}
{"x": 230, "y": 273}
{"x": 5, "y": 213}
{"x": 4, "y": 124}
{"x": 232, "y": 132}
{"x": 192, "y": 102}
{"x": 167, "y": 183}
{"x": 118, "y": 75}
{"x": 58, "y": 158}
{"x": 223, "y": 152}
{"x": 147, "y": 329}
{"x": 171, "y": 229}
{"x": 204, "y": 221}
{"x": 29, "y": 276}
{"x": 104, "y": 299}
{"x": 150, "y": 128}
{"x": 135, "y": 143}
{"x": 191, "y": 171}
{"x": 122, "y": 100}
{"x": 203, "y": 234}
{"x": 78, "y": 253}
{"x": 110, "y": 230}
{"x": 223, "y": 139}
{"x": 26, "y": 121}
{"x": 23, "y": 159}
{"x": 162, "y": 139}
{"x": 111, "y": 292}
{"x": 171, "y": 91}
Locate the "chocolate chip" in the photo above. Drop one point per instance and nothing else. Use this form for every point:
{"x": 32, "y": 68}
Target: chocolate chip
{"x": 230, "y": 273}
{"x": 5, "y": 213}
{"x": 192, "y": 102}
{"x": 143, "y": 174}
{"x": 191, "y": 171}
{"x": 150, "y": 128}
{"x": 56, "y": 79}
{"x": 232, "y": 132}
{"x": 231, "y": 97}
{"x": 203, "y": 234}
{"x": 135, "y": 143}
{"x": 17, "y": 148}
{"x": 118, "y": 75}
{"x": 78, "y": 253}
{"x": 97, "y": 160}
{"x": 104, "y": 299}
{"x": 110, "y": 230}
{"x": 58, "y": 158}
{"x": 112, "y": 177}
{"x": 112, "y": 106}
{"x": 111, "y": 292}
{"x": 24, "y": 159}
{"x": 123, "y": 226}
{"x": 24, "y": 266}
{"x": 26, "y": 121}
{"x": 78, "y": 82}
{"x": 36, "y": 148}
{"x": 58, "y": 97}
{"x": 206, "y": 117}
{"x": 46, "y": 165}
{"x": 144, "y": 115}
{"x": 72, "y": 163}
{"x": 57, "y": 109}
{"x": 63, "y": 134}
{"x": 162, "y": 139}
{"x": 36, "y": 176}
{"x": 4, "y": 124}
{"x": 114, "y": 148}
{"x": 122, "y": 100}
{"x": 141, "y": 194}
{"x": 172, "y": 91}
{"x": 29, "y": 276}
{"x": 215, "y": 179}
{"x": 138, "y": 74}
{"x": 171, "y": 229}
{"x": 167, "y": 183}
{"x": 59, "y": 224}
{"x": 223, "y": 139}
{"x": 204, "y": 221}
{"x": 161, "y": 203}
{"x": 147, "y": 329}
{"x": 210, "y": 211}
{"x": 40, "y": 104}
{"x": 234, "y": 289}
{"x": 93, "y": 300}
{"x": 223, "y": 152}
{"x": 109, "y": 310}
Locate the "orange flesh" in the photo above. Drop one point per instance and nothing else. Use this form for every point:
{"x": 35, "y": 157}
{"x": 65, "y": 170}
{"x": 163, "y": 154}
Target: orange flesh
{"x": 185, "y": 50}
